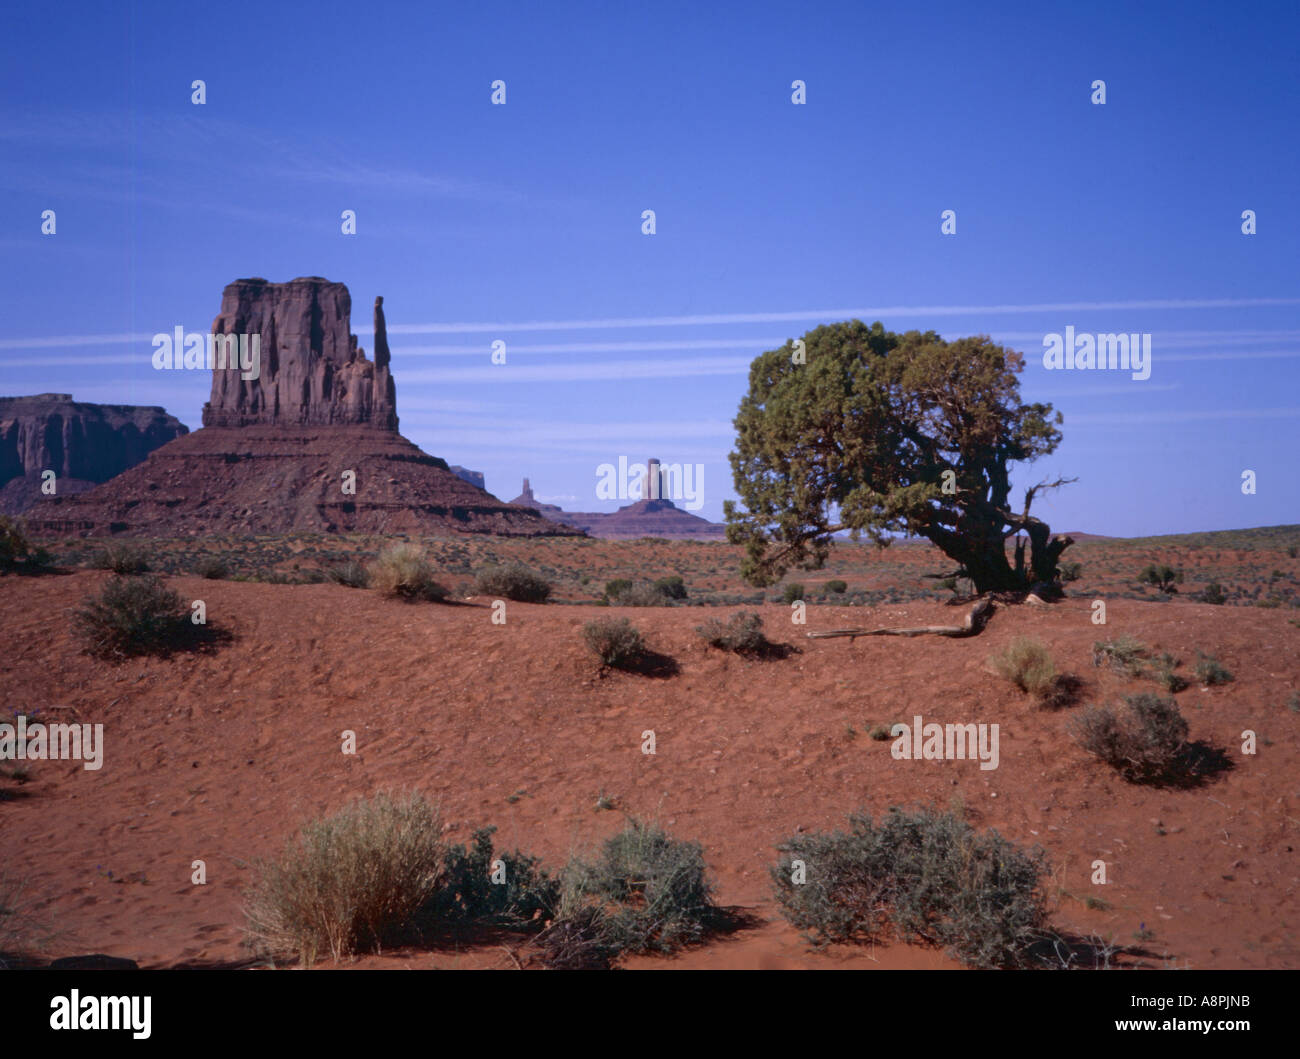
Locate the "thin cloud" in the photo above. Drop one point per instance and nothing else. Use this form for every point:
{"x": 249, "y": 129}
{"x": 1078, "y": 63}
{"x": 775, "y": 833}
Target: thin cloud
{"x": 879, "y": 312}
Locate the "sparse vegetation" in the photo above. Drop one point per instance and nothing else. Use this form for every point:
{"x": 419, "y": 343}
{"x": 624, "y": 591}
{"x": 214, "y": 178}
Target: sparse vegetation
{"x": 1126, "y": 655}
{"x": 1214, "y": 593}
{"x": 132, "y": 615}
{"x": 742, "y": 633}
{"x": 351, "y": 574}
{"x": 14, "y": 547}
{"x": 1211, "y": 672}
{"x": 1164, "y": 672}
{"x": 792, "y": 593}
{"x": 1161, "y": 576}
{"x": 642, "y": 594}
{"x": 513, "y": 581}
{"x": 23, "y": 935}
{"x": 1028, "y": 665}
{"x": 837, "y": 587}
{"x": 1146, "y": 739}
{"x": 925, "y": 876}
{"x": 672, "y": 586}
{"x": 348, "y": 882}
{"x": 473, "y": 888}
{"x": 122, "y": 558}
{"x": 212, "y": 568}
{"x": 616, "y": 587}
{"x": 402, "y": 572}
{"x": 646, "y": 892}
{"x": 615, "y": 641}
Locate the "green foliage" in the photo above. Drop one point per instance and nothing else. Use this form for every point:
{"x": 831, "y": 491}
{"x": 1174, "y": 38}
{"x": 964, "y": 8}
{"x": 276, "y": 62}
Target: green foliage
{"x": 649, "y": 891}
{"x": 615, "y": 641}
{"x": 642, "y": 594}
{"x": 1163, "y": 577}
{"x": 793, "y": 593}
{"x": 1214, "y": 593}
{"x": 131, "y": 616}
{"x": 1146, "y": 739}
{"x": 1211, "y": 672}
{"x": 858, "y": 438}
{"x": 514, "y": 581}
{"x": 616, "y": 587}
{"x": 348, "y": 882}
{"x": 672, "y": 586}
{"x": 741, "y": 633}
{"x": 925, "y": 876}
{"x": 1071, "y": 571}
{"x": 837, "y": 586}
{"x": 402, "y": 572}
{"x": 467, "y": 893}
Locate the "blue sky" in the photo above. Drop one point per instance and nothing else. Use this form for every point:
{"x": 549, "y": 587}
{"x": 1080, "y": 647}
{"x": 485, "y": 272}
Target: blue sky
{"x": 523, "y": 222}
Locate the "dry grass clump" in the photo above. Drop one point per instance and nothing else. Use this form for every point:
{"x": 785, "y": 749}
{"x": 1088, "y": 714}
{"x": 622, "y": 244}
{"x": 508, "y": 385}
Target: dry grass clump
{"x": 1027, "y": 663}
{"x": 402, "y": 572}
{"x": 348, "y": 882}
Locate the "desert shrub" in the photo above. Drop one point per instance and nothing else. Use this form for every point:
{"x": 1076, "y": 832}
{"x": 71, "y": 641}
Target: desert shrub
{"x": 402, "y": 572}
{"x": 650, "y": 890}
{"x": 925, "y": 876}
{"x": 23, "y": 933}
{"x": 741, "y": 633}
{"x": 515, "y": 581}
{"x": 1164, "y": 672}
{"x": 1163, "y": 577}
{"x": 673, "y": 586}
{"x": 1211, "y": 672}
{"x": 1027, "y": 664}
{"x": 122, "y": 558}
{"x": 1126, "y": 655}
{"x": 467, "y": 893}
{"x": 40, "y": 558}
{"x": 615, "y": 641}
{"x": 837, "y": 586}
{"x": 643, "y": 595}
{"x": 792, "y": 593}
{"x": 131, "y": 615}
{"x": 351, "y": 574}
{"x": 616, "y": 587}
{"x": 14, "y": 546}
{"x": 348, "y": 882}
{"x": 1214, "y": 593}
{"x": 212, "y": 568}
{"x": 1146, "y": 739}
{"x": 1070, "y": 571}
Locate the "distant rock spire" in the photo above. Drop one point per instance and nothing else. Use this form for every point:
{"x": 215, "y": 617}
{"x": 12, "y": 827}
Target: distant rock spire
{"x": 382, "y": 356}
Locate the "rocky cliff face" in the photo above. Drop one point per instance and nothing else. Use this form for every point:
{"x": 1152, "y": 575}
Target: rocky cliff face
{"x": 307, "y": 444}
{"x": 82, "y": 443}
{"x": 309, "y": 369}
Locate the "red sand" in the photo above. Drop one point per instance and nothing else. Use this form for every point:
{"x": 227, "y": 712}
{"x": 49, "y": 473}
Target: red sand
{"x": 218, "y": 756}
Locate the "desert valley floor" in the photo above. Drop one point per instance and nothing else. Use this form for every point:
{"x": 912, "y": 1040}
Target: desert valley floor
{"x": 218, "y": 755}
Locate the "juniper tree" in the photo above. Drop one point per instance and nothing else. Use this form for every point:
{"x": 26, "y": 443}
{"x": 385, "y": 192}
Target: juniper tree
{"x": 877, "y": 434}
